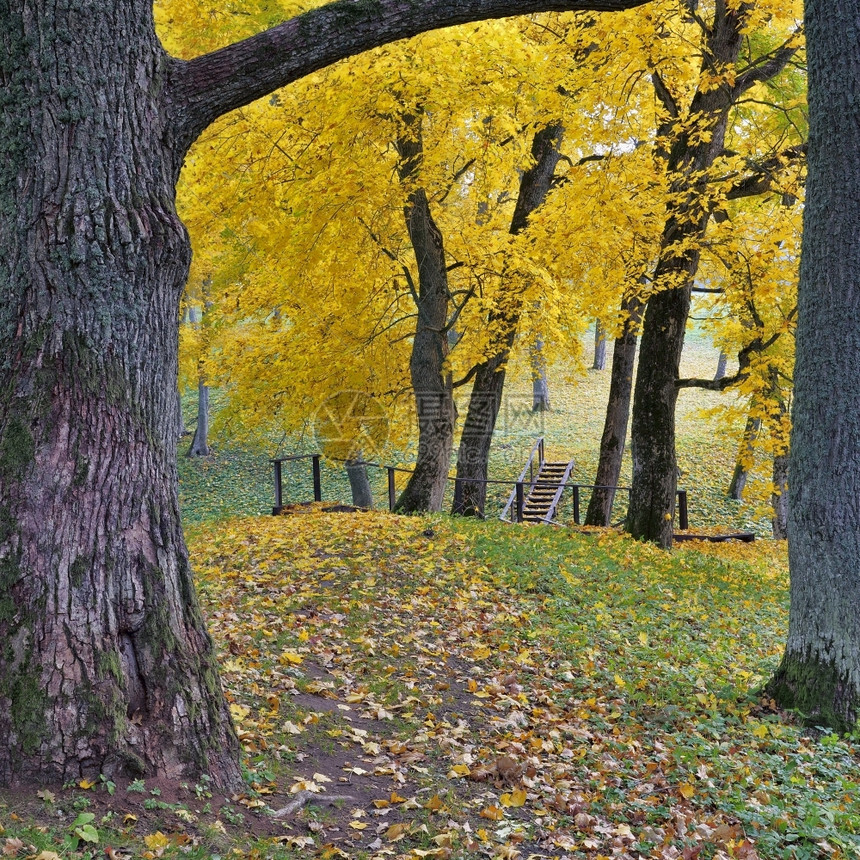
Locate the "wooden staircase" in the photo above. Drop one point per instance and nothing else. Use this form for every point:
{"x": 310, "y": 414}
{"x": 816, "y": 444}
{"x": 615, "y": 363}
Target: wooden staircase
{"x": 539, "y": 487}
{"x": 546, "y": 492}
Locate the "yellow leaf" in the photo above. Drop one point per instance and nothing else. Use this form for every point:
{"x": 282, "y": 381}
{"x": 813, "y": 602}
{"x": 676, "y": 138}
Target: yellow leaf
{"x": 156, "y": 841}
{"x": 481, "y": 652}
{"x": 493, "y": 813}
{"x": 86, "y": 783}
{"x": 686, "y": 790}
{"x": 290, "y": 658}
{"x": 459, "y": 770}
{"x": 358, "y": 825}
{"x": 435, "y": 803}
{"x": 760, "y": 731}
{"x": 514, "y": 798}
{"x": 397, "y": 831}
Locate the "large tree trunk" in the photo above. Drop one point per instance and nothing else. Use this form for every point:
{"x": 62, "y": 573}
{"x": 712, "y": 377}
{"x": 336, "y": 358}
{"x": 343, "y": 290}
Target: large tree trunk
{"x": 744, "y": 460}
{"x": 617, "y": 416}
{"x": 431, "y": 381}
{"x": 486, "y": 397}
{"x": 652, "y": 497}
{"x": 106, "y": 665}
{"x": 820, "y": 671}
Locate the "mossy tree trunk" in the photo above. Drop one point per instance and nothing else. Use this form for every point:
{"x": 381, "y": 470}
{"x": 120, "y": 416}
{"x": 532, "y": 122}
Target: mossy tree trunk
{"x": 820, "y": 671}
{"x": 106, "y": 666}
{"x": 745, "y": 458}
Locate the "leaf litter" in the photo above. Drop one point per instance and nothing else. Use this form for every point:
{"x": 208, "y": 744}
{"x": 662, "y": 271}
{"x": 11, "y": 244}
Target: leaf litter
{"x": 408, "y": 687}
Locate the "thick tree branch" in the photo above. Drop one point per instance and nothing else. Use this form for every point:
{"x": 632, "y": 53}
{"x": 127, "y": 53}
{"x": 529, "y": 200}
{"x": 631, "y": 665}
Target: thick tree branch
{"x": 766, "y": 67}
{"x": 744, "y": 362}
{"x": 201, "y": 90}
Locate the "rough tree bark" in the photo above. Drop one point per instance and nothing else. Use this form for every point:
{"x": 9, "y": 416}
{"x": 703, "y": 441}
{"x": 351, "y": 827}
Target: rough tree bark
{"x": 617, "y": 416}
{"x": 106, "y": 665}
{"x": 599, "y": 362}
{"x": 820, "y": 671}
{"x": 486, "y": 397}
{"x": 432, "y": 385}
{"x": 652, "y": 497}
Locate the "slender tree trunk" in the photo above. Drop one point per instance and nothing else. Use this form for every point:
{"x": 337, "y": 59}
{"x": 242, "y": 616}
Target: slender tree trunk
{"x": 486, "y": 397}
{"x": 655, "y": 468}
{"x": 106, "y": 665}
{"x": 540, "y": 386}
{"x": 722, "y": 362}
{"x": 431, "y": 381}
{"x": 820, "y": 670}
{"x": 744, "y": 459}
{"x": 599, "y": 362}
{"x": 359, "y": 483}
{"x": 200, "y": 442}
{"x": 617, "y": 416}
{"x": 779, "y": 497}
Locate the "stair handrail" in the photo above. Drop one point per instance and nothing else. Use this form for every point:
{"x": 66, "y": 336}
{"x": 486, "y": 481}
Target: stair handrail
{"x": 557, "y": 497}
{"x": 538, "y": 448}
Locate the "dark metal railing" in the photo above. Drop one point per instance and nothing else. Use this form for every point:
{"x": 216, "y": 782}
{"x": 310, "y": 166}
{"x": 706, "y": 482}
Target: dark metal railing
{"x": 526, "y": 482}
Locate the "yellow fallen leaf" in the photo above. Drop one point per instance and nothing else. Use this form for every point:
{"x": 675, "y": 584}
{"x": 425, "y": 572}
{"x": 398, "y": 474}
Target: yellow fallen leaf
{"x": 156, "y": 842}
{"x": 481, "y": 652}
{"x": 459, "y": 770}
{"x": 86, "y": 783}
{"x": 396, "y": 798}
{"x": 397, "y": 831}
{"x": 493, "y": 813}
{"x": 358, "y": 825}
{"x": 686, "y": 790}
{"x": 515, "y": 798}
{"x": 290, "y": 658}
